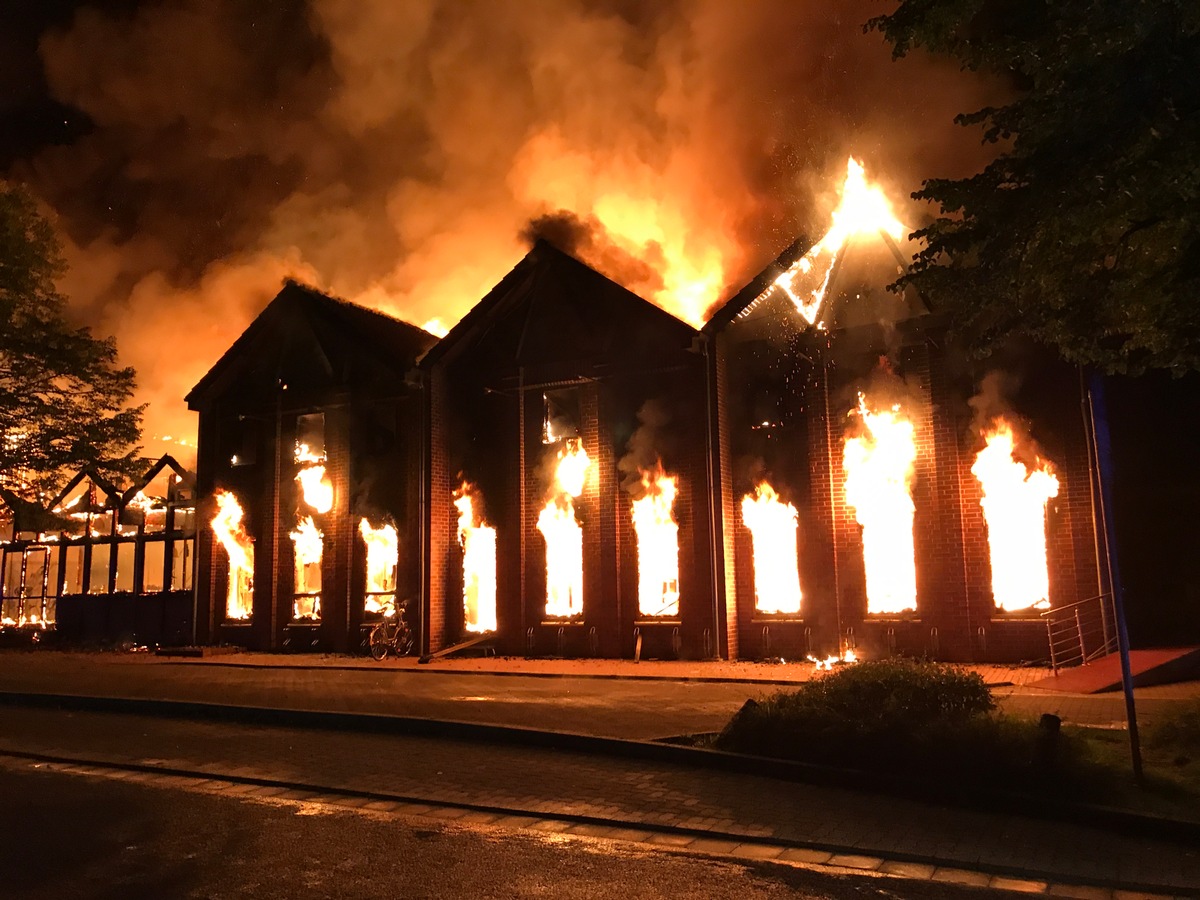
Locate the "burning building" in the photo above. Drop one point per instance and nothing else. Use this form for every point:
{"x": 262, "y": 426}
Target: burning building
{"x": 308, "y": 455}
{"x": 98, "y": 564}
{"x": 573, "y": 471}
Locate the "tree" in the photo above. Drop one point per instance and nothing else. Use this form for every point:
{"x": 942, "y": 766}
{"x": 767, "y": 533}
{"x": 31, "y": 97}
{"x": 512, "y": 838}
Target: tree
{"x": 63, "y": 400}
{"x": 1084, "y": 232}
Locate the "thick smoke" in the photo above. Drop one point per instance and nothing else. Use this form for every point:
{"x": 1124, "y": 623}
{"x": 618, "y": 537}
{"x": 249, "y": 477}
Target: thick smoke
{"x": 400, "y": 154}
{"x": 645, "y": 447}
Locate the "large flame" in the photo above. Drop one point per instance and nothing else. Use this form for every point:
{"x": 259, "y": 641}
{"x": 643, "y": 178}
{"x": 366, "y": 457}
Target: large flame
{"x": 863, "y": 209}
{"x": 563, "y": 534}
{"x": 879, "y": 470}
{"x": 772, "y": 525}
{"x": 657, "y": 544}
{"x": 309, "y": 546}
{"x": 227, "y": 529}
{"x": 479, "y": 563}
{"x": 383, "y": 550}
{"x": 315, "y": 486}
{"x": 1014, "y": 507}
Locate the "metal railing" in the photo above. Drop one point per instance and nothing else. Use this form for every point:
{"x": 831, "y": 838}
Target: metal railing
{"x": 1081, "y": 632}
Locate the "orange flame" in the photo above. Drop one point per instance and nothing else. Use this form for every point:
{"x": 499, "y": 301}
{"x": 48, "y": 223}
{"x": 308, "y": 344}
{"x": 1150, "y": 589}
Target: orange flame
{"x": 657, "y": 544}
{"x": 478, "y": 541}
{"x": 563, "y": 533}
{"x": 227, "y": 529}
{"x": 309, "y": 546}
{"x": 879, "y": 470}
{"x": 383, "y": 550}
{"x": 1014, "y": 507}
{"x": 315, "y": 487}
{"x": 863, "y": 209}
{"x": 772, "y": 525}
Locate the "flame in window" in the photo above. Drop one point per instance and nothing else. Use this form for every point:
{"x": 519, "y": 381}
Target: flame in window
{"x": 309, "y": 546}
{"x": 772, "y": 525}
{"x": 563, "y": 533}
{"x": 879, "y": 470}
{"x": 1014, "y": 507}
{"x": 228, "y": 530}
{"x": 478, "y": 541}
{"x": 383, "y": 551}
{"x": 657, "y": 544}
{"x": 315, "y": 486}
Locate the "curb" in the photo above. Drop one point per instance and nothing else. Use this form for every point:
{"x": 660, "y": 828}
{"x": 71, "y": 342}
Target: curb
{"x": 601, "y": 822}
{"x": 1117, "y": 820}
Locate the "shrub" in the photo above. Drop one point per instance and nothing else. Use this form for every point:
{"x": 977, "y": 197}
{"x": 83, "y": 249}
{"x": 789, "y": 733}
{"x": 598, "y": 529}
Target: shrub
{"x": 900, "y": 716}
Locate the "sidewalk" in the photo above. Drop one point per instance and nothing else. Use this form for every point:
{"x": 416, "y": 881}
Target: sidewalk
{"x": 607, "y": 698}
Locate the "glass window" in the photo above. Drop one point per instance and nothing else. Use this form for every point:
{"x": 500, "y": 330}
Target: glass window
{"x": 126, "y": 552}
{"x": 181, "y": 565}
{"x": 153, "y": 558}
{"x": 310, "y": 434}
{"x": 52, "y": 570}
{"x": 35, "y": 586}
{"x": 101, "y": 563}
{"x": 73, "y": 576}
{"x": 6, "y": 529}
{"x": 10, "y": 609}
{"x": 561, "y": 415}
{"x": 185, "y": 521}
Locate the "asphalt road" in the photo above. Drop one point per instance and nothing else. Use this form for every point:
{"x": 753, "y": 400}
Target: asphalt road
{"x": 70, "y": 836}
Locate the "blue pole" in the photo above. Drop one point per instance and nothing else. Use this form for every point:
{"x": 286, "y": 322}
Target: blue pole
{"x": 1098, "y": 407}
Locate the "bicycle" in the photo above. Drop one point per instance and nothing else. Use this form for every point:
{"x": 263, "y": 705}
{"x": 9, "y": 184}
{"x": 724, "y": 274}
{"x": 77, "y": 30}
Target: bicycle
{"x": 393, "y": 637}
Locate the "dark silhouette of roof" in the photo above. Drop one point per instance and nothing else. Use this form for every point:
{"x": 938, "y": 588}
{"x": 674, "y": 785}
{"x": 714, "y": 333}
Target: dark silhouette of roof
{"x": 552, "y": 308}
{"x": 305, "y": 338}
{"x": 745, "y": 299}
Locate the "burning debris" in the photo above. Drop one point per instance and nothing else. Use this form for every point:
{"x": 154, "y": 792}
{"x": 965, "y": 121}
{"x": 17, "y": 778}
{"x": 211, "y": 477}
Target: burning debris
{"x": 1014, "y": 507}
{"x": 563, "y": 533}
{"x": 772, "y": 525}
{"x": 478, "y": 541}
{"x": 863, "y": 209}
{"x": 657, "y": 544}
{"x": 383, "y": 551}
{"x": 879, "y": 470}
{"x": 228, "y": 530}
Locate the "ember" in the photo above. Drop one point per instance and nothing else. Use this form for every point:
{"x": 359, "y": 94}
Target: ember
{"x": 479, "y": 563}
{"x": 1014, "y": 507}
{"x": 772, "y": 525}
{"x": 657, "y": 545}
{"x": 563, "y": 534}
{"x": 879, "y": 470}
{"x": 227, "y": 528}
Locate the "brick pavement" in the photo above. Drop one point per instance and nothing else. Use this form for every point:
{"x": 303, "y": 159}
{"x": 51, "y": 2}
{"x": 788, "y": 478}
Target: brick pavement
{"x": 530, "y": 782}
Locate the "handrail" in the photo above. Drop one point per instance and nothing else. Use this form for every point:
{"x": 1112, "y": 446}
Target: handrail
{"x": 1057, "y": 609}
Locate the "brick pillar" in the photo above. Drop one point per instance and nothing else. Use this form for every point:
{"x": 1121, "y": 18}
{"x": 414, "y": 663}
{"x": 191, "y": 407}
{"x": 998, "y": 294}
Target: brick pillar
{"x": 439, "y": 512}
{"x": 728, "y": 644}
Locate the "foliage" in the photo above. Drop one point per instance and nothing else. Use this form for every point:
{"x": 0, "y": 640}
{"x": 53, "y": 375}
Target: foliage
{"x": 1084, "y": 232}
{"x": 63, "y": 400}
{"x": 900, "y": 716}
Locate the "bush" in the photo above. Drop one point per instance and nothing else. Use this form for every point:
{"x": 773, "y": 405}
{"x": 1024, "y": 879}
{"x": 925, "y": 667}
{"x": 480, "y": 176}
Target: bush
{"x": 900, "y": 716}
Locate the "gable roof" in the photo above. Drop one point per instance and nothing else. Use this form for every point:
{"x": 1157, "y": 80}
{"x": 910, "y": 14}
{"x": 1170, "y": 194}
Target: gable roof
{"x": 111, "y": 494}
{"x": 856, "y": 269}
{"x": 553, "y": 308}
{"x": 168, "y": 461}
{"x": 744, "y": 301}
{"x": 306, "y": 335}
